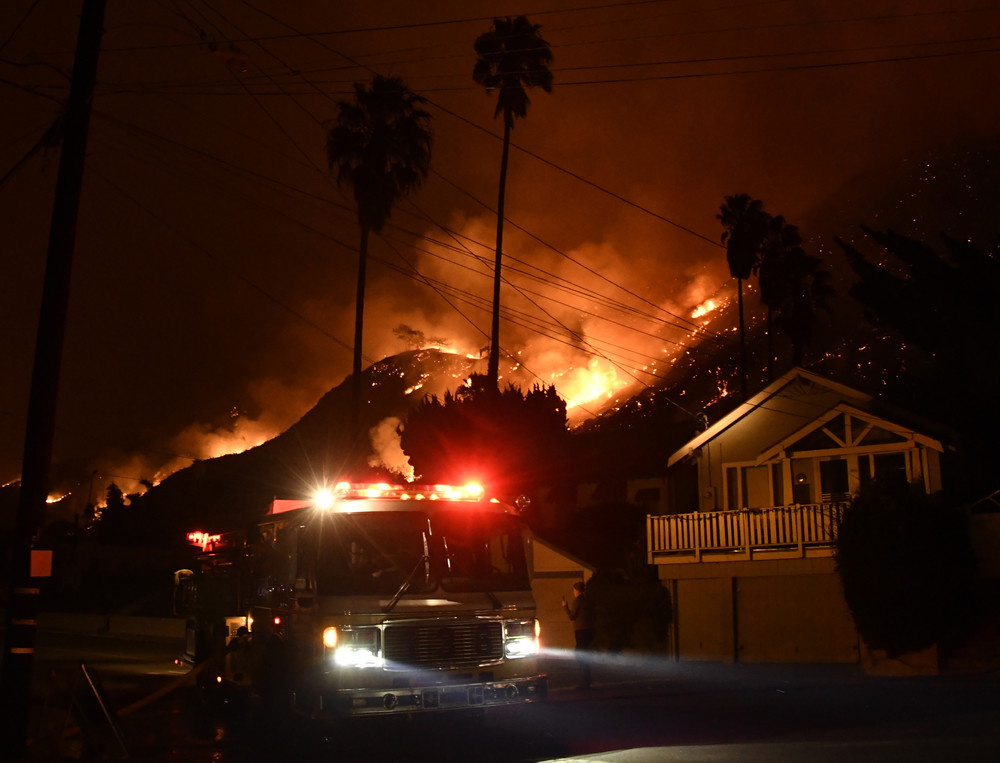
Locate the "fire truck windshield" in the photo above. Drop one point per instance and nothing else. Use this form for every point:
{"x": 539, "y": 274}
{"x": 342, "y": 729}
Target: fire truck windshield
{"x": 374, "y": 553}
{"x": 481, "y": 552}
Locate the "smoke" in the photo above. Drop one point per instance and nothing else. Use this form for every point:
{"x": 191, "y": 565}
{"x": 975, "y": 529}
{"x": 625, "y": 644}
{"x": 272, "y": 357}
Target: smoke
{"x": 386, "y": 449}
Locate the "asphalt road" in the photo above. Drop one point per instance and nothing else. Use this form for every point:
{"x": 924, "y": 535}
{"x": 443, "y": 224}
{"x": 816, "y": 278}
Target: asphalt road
{"x": 637, "y": 711}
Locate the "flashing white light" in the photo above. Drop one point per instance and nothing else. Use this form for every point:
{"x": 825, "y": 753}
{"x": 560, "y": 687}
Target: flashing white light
{"x": 323, "y": 499}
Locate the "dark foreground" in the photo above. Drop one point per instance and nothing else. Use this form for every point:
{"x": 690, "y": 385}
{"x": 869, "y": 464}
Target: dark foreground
{"x": 637, "y": 711}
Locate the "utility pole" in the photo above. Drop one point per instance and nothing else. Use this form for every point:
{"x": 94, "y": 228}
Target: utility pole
{"x": 22, "y": 602}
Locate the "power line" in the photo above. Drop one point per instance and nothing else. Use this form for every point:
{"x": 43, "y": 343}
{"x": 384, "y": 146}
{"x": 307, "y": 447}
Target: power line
{"x": 297, "y": 34}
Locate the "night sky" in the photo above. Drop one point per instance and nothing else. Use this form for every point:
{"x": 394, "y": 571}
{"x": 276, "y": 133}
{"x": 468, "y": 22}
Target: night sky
{"x": 213, "y": 285}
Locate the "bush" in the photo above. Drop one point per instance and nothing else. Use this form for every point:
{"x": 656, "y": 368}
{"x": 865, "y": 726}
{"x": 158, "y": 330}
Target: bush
{"x": 906, "y": 565}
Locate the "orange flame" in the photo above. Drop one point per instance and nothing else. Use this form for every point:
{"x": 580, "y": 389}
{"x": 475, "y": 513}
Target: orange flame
{"x": 705, "y": 308}
{"x": 597, "y": 383}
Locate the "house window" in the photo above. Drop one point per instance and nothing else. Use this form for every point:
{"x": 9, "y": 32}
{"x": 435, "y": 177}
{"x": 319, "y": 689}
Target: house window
{"x": 889, "y": 466}
{"x": 883, "y": 466}
{"x": 833, "y": 480}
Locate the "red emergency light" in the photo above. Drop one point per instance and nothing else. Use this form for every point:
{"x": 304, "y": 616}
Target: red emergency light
{"x": 205, "y": 540}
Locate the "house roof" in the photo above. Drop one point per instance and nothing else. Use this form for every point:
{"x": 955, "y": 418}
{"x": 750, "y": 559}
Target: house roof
{"x": 776, "y": 388}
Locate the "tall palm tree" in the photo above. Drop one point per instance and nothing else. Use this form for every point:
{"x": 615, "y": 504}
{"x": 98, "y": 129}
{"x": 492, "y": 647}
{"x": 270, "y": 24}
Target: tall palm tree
{"x": 379, "y": 144}
{"x": 792, "y": 286}
{"x": 510, "y": 57}
{"x": 811, "y": 292}
{"x": 745, "y": 223}
{"x": 776, "y": 272}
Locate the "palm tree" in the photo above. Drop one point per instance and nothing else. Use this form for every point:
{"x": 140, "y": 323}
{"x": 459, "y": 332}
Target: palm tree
{"x": 812, "y": 290}
{"x": 745, "y": 223}
{"x": 380, "y": 145}
{"x": 510, "y": 57}
{"x": 776, "y": 272}
{"x": 792, "y": 286}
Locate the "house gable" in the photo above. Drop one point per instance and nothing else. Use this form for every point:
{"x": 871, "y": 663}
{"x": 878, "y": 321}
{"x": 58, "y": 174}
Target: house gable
{"x": 796, "y": 397}
{"x": 803, "y": 440}
{"x": 847, "y": 428}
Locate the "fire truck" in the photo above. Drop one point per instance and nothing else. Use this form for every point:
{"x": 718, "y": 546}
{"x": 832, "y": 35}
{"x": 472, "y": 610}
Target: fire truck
{"x": 374, "y": 599}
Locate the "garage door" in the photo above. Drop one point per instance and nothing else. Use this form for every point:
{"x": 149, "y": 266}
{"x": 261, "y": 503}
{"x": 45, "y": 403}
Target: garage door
{"x": 794, "y": 619}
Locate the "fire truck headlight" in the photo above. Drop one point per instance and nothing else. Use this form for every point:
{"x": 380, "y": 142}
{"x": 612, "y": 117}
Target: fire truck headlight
{"x": 521, "y": 638}
{"x": 356, "y": 657}
{"x": 353, "y": 647}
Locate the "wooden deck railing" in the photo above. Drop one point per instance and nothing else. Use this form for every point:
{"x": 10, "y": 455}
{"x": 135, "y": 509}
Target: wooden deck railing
{"x": 728, "y": 534}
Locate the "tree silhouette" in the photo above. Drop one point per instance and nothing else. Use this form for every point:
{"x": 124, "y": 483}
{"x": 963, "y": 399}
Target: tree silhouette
{"x": 906, "y": 565}
{"x": 380, "y": 145}
{"x": 792, "y": 287}
{"x": 944, "y": 310}
{"x": 511, "y": 56}
{"x": 746, "y": 224}
{"x": 114, "y": 516}
{"x": 506, "y": 439}
{"x": 811, "y": 292}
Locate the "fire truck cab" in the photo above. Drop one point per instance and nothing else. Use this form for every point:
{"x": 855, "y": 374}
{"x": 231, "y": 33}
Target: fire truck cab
{"x": 381, "y": 599}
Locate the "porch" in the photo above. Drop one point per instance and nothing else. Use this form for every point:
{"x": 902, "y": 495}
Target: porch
{"x": 794, "y": 531}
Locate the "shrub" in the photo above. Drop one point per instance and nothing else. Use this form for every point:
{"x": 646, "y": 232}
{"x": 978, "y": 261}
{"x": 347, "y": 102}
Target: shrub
{"x": 906, "y": 565}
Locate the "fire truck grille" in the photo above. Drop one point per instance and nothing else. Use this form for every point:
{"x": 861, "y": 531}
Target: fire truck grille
{"x": 454, "y": 644}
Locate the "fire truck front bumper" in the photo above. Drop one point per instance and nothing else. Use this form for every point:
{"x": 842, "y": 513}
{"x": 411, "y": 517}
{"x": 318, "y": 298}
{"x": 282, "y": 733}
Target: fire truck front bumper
{"x": 433, "y": 698}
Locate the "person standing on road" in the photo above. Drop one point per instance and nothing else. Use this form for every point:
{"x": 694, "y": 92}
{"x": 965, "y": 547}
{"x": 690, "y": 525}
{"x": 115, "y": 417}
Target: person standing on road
{"x": 581, "y": 612}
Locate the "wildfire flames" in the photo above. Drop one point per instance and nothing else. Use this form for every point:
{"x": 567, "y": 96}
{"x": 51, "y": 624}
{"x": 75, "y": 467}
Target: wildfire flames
{"x": 706, "y": 307}
{"x": 589, "y": 384}
{"x": 596, "y": 383}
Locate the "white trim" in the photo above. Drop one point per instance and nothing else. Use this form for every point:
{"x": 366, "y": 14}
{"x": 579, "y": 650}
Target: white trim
{"x": 906, "y": 433}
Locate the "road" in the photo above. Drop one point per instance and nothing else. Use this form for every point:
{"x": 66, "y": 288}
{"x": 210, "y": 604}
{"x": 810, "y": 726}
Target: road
{"x": 637, "y": 711}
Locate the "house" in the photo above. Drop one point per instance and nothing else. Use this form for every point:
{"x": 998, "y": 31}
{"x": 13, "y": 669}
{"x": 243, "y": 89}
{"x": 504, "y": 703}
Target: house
{"x": 747, "y": 548}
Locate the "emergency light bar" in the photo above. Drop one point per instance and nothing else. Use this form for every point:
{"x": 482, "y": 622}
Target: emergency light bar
{"x": 324, "y": 500}
{"x": 355, "y": 490}
{"x": 205, "y": 540}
